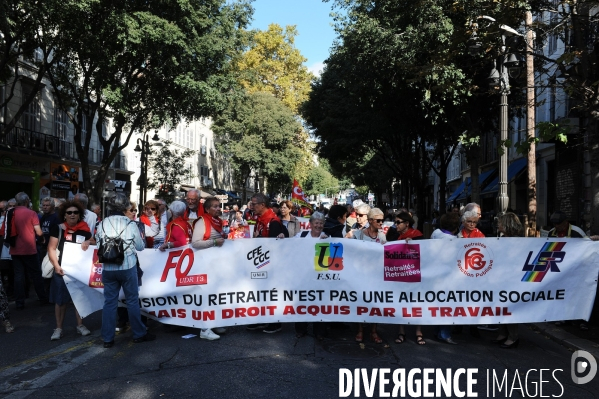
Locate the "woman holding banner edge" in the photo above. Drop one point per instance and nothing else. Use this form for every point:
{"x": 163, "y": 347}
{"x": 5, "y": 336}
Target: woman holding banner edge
{"x": 372, "y": 233}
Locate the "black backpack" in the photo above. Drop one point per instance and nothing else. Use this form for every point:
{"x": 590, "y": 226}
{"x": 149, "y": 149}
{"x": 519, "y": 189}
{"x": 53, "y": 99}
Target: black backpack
{"x": 112, "y": 249}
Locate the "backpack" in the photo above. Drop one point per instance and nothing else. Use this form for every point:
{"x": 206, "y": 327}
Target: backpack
{"x": 112, "y": 249}
{"x": 284, "y": 228}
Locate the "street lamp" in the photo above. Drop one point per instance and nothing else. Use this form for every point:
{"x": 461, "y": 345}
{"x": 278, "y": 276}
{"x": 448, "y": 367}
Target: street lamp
{"x": 508, "y": 64}
{"x": 143, "y": 146}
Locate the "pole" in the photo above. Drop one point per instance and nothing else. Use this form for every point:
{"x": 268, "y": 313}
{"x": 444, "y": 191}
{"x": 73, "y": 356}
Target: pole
{"x": 530, "y": 128}
{"x": 503, "y": 199}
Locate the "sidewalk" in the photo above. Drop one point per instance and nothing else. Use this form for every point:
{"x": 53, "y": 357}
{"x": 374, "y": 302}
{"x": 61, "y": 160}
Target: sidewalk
{"x": 571, "y": 336}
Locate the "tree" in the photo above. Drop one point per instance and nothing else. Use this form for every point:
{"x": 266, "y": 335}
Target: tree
{"x": 273, "y": 65}
{"x": 258, "y": 133}
{"x": 320, "y": 181}
{"x": 142, "y": 64}
{"x": 168, "y": 169}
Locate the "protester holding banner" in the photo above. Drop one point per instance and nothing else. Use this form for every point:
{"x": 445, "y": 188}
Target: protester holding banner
{"x": 372, "y": 233}
{"x": 151, "y": 220}
{"x": 509, "y": 225}
{"x": 403, "y": 229}
{"x": 116, "y": 276}
{"x": 361, "y": 218}
{"x": 268, "y": 226}
{"x": 207, "y": 233}
{"x": 449, "y": 225}
{"x": 178, "y": 230}
{"x": 288, "y": 220}
{"x": 75, "y": 230}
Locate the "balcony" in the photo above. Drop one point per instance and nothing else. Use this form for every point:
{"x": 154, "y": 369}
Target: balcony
{"x": 41, "y": 143}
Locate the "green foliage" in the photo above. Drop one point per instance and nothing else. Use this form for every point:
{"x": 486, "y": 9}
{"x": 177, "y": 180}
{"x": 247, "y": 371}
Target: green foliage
{"x": 142, "y": 64}
{"x": 258, "y": 133}
{"x": 320, "y": 181}
{"x": 168, "y": 168}
{"x": 547, "y": 131}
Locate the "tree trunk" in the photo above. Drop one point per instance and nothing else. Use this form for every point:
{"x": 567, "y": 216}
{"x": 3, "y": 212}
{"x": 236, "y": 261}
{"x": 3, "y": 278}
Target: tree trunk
{"x": 474, "y": 165}
{"x": 530, "y": 130}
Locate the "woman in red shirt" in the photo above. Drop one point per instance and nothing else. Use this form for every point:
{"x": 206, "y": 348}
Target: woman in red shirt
{"x": 178, "y": 230}
{"x": 469, "y": 222}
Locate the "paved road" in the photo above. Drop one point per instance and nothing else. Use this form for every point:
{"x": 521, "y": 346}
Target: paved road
{"x": 252, "y": 364}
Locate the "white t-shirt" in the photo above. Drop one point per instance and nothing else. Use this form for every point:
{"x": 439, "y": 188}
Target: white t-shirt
{"x": 90, "y": 218}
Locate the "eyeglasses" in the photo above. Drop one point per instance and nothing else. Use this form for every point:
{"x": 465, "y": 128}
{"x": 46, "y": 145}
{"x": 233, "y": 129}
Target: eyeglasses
{"x": 399, "y": 222}
{"x": 191, "y": 199}
{"x": 361, "y": 214}
{"x": 72, "y": 212}
{"x": 378, "y": 220}
{"x": 471, "y": 222}
{"x": 256, "y": 203}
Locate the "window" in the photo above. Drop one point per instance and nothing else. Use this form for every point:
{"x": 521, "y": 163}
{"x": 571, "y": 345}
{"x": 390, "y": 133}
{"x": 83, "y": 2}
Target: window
{"x": 553, "y": 20}
{"x": 32, "y": 117}
{"x": 60, "y": 124}
{"x": 204, "y": 170}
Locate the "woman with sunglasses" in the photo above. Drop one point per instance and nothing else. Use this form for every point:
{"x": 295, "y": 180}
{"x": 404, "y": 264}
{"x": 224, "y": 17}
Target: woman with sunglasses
{"x": 469, "y": 222}
{"x": 75, "y": 230}
{"x": 403, "y": 231}
{"x": 372, "y": 233}
{"x": 361, "y": 219}
{"x": 151, "y": 219}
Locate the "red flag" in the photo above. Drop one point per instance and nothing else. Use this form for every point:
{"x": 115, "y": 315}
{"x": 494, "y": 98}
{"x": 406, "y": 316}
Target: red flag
{"x": 298, "y": 196}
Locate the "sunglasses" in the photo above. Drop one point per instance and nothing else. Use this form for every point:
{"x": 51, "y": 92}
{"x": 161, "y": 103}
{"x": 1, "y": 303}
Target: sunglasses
{"x": 72, "y": 212}
{"x": 361, "y": 214}
{"x": 378, "y": 220}
{"x": 399, "y": 222}
{"x": 133, "y": 210}
{"x": 152, "y": 209}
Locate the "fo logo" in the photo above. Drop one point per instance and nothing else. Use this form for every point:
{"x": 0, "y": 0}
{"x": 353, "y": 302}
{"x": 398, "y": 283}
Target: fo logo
{"x": 546, "y": 260}
{"x": 328, "y": 257}
{"x": 475, "y": 260}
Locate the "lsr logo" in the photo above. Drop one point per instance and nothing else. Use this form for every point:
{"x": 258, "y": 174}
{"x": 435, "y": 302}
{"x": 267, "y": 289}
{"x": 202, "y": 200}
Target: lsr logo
{"x": 259, "y": 258}
{"x": 328, "y": 257}
{"x": 546, "y": 260}
{"x": 178, "y": 260}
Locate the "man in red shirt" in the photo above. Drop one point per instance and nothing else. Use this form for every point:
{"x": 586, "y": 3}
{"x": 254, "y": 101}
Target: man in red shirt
{"x": 24, "y": 252}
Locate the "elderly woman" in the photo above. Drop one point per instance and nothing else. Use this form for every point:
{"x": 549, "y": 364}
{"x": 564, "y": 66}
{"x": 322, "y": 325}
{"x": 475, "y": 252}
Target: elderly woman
{"x": 151, "y": 219}
{"x": 116, "y": 276}
{"x": 469, "y": 221}
{"x": 207, "y": 233}
{"x": 509, "y": 226}
{"x": 75, "y": 230}
{"x": 317, "y": 225}
{"x": 178, "y": 230}
{"x": 288, "y": 220}
{"x": 372, "y": 233}
{"x": 361, "y": 219}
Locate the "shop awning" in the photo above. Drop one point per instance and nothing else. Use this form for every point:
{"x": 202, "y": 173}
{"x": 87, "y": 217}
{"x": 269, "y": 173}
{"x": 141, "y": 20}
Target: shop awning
{"x": 513, "y": 170}
{"x": 481, "y": 180}
{"x": 458, "y": 191}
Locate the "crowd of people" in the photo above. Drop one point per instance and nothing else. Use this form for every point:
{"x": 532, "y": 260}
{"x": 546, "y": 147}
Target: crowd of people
{"x": 27, "y": 238}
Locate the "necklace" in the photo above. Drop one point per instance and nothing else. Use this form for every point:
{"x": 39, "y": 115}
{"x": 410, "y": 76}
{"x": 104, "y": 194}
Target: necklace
{"x": 375, "y": 234}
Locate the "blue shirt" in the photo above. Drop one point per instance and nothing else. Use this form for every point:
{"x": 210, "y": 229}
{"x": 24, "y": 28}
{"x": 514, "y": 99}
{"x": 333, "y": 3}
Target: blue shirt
{"x": 112, "y": 226}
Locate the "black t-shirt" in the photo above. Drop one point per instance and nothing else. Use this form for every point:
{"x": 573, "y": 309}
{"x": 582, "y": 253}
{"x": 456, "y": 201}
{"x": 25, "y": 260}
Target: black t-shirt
{"x": 77, "y": 237}
{"x": 47, "y": 221}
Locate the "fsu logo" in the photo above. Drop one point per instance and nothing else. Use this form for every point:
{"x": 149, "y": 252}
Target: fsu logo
{"x": 328, "y": 257}
{"x": 546, "y": 260}
{"x": 475, "y": 260}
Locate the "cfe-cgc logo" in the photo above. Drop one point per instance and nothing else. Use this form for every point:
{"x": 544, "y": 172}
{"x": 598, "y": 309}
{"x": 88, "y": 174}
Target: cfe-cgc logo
{"x": 475, "y": 260}
{"x": 546, "y": 260}
{"x": 259, "y": 257}
{"x": 328, "y": 257}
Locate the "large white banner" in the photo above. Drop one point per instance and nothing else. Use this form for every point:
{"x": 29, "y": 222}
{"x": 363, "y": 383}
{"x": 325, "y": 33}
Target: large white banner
{"x": 460, "y": 281}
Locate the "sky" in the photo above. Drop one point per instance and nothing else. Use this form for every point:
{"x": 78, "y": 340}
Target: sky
{"x": 311, "y": 17}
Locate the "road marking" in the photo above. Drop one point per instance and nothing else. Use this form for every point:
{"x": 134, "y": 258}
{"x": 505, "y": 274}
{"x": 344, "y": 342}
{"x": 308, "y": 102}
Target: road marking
{"x": 66, "y": 363}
